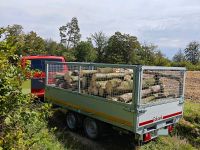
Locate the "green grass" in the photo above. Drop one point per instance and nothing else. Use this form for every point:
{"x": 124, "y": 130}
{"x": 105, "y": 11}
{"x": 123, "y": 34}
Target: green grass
{"x": 192, "y": 112}
{"x": 168, "y": 143}
{"x": 189, "y": 126}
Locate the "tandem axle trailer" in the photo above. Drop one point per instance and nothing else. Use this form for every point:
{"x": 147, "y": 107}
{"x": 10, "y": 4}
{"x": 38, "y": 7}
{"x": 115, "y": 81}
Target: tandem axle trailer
{"x": 145, "y": 101}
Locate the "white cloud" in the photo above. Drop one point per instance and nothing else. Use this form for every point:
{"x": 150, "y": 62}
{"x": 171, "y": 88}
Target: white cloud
{"x": 169, "y": 24}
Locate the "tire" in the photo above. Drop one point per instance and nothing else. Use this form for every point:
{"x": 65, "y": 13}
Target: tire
{"x": 72, "y": 121}
{"x": 92, "y": 128}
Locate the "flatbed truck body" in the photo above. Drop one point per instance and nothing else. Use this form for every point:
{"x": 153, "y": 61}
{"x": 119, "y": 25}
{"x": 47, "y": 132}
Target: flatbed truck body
{"x": 145, "y": 119}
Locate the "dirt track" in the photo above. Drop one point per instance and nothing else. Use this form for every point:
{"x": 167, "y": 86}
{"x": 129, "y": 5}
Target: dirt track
{"x": 110, "y": 140}
{"x": 192, "y": 89}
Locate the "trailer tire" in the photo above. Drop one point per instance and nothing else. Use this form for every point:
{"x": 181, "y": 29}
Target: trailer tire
{"x": 72, "y": 121}
{"x": 92, "y": 128}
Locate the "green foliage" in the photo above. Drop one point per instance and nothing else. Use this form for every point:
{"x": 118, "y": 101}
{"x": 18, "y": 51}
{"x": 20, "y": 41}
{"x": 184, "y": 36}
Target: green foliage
{"x": 14, "y": 30}
{"x": 160, "y": 60}
{"x": 33, "y": 44}
{"x": 179, "y": 56}
{"x": 168, "y": 143}
{"x": 189, "y": 127}
{"x": 186, "y": 64}
{"x": 70, "y": 33}
{"x": 54, "y": 48}
{"x": 100, "y": 41}
{"x": 69, "y": 55}
{"x": 23, "y": 122}
{"x": 192, "y": 52}
{"x": 147, "y": 54}
{"x": 84, "y": 52}
{"x": 122, "y": 48}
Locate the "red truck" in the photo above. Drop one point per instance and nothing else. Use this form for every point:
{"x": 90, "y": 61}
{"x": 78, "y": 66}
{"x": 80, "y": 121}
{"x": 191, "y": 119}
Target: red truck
{"x": 36, "y": 84}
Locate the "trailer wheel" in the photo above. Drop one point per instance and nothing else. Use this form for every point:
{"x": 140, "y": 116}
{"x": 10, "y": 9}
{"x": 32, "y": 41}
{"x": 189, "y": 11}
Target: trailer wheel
{"x": 91, "y": 128}
{"x": 72, "y": 121}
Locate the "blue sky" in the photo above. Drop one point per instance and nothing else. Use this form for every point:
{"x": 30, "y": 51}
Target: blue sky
{"x": 169, "y": 24}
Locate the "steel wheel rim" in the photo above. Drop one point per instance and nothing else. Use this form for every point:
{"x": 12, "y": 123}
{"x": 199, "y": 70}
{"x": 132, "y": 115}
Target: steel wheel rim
{"x": 91, "y": 129}
{"x": 71, "y": 121}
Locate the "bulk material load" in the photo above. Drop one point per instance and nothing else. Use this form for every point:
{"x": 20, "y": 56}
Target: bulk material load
{"x": 113, "y": 83}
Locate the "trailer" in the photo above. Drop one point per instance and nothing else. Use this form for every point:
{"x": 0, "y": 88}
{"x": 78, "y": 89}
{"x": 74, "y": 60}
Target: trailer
{"x": 144, "y": 101}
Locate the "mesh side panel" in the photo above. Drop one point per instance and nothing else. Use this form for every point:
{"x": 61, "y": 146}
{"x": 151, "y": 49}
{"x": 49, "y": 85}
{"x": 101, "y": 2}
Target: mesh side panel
{"x": 63, "y": 76}
{"x": 112, "y": 83}
{"x": 161, "y": 86}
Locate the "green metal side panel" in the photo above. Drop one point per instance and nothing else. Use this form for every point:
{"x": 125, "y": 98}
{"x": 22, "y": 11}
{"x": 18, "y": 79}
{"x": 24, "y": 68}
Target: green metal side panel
{"x": 115, "y": 113}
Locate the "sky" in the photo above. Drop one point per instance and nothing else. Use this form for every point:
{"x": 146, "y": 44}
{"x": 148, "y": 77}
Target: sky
{"x": 170, "y": 24}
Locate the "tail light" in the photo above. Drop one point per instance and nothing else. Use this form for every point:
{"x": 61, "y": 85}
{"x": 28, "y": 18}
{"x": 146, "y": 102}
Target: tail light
{"x": 147, "y": 137}
{"x": 170, "y": 128}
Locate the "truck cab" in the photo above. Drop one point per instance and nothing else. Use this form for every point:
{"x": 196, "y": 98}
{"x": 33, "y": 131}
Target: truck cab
{"x": 36, "y": 83}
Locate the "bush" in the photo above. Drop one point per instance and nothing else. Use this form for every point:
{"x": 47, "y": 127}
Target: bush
{"x": 23, "y": 122}
{"x": 186, "y": 64}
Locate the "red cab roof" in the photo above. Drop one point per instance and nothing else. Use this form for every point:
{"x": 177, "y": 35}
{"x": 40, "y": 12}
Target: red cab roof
{"x": 42, "y": 57}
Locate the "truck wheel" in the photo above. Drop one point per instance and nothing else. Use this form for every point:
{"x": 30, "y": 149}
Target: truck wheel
{"x": 72, "y": 121}
{"x": 91, "y": 128}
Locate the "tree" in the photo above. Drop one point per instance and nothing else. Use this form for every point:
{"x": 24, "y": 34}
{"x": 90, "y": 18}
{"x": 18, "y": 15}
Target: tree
{"x": 192, "y": 53}
{"x": 84, "y": 52}
{"x": 100, "y": 41}
{"x": 15, "y": 36}
{"x": 33, "y": 44}
{"x": 147, "y": 54}
{"x": 54, "y": 48}
{"x": 14, "y": 30}
{"x": 122, "y": 48}
{"x": 179, "y": 56}
{"x": 160, "y": 60}
{"x": 70, "y": 33}
{"x": 23, "y": 122}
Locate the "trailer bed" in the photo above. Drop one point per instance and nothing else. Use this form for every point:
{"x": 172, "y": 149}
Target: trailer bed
{"x": 157, "y": 94}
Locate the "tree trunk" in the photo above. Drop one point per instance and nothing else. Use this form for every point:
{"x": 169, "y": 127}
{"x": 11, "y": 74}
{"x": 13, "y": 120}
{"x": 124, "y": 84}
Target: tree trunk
{"x": 125, "y": 85}
{"x": 147, "y": 82}
{"x": 127, "y": 77}
{"x": 148, "y": 99}
{"x": 151, "y": 90}
{"x": 156, "y": 88}
{"x": 103, "y": 76}
{"x": 111, "y": 85}
{"x": 163, "y": 75}
{"x": 95, "y": 91}
{"x": 102, "y": 92}
{"x": 87, "y": 72}
{"x": 106, "y": 70}
{"x": 98, "y": 84}
{"x": 127, "y": 97}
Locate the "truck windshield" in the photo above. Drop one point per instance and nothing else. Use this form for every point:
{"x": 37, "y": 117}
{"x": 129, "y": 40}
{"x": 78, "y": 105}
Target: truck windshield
{"x": 39, "y": 64}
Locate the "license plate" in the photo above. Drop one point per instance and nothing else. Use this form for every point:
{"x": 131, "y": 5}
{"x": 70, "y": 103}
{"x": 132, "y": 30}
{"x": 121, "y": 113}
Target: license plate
{"x": 163, "y": 131}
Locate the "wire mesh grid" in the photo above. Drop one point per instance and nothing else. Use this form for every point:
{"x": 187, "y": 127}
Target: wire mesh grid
{"x": 161, "y": 85}
{"x": 112, "y": 83}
